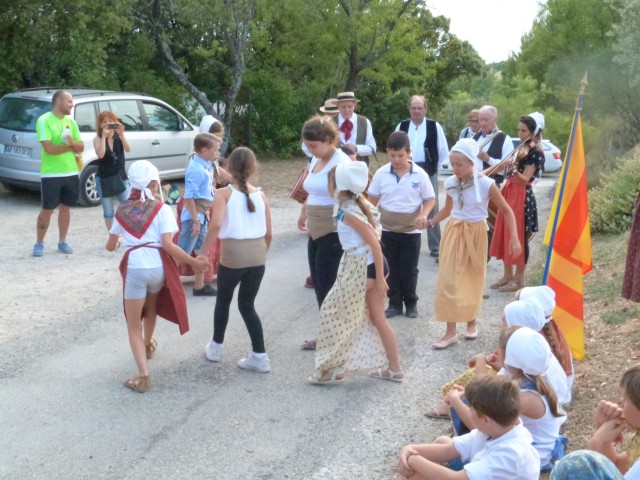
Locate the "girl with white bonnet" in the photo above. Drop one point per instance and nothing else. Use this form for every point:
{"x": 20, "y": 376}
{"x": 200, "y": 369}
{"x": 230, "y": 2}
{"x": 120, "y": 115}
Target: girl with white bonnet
{"x": 151, "y": 283}
{"x": 354, "y": 332}
{"x": 517, "y": 191}
{"x": 527, "y": 358}
{"x": 463, "y": 249}
{"x": 557, "y": 341}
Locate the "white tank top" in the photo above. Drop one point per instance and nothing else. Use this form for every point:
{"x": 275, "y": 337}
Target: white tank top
{"x": 239, "y": 222}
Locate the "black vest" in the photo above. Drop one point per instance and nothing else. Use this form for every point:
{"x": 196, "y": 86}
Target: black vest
{"x": 430, "y": 145}
{"x": 494, "y": 151}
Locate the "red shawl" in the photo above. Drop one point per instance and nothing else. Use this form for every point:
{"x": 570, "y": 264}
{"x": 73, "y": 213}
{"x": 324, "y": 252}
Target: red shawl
{"x": 172, "y": 304}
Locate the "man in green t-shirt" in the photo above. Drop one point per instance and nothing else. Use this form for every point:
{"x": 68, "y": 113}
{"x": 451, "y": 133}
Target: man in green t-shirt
{"x": 60, "y": 138}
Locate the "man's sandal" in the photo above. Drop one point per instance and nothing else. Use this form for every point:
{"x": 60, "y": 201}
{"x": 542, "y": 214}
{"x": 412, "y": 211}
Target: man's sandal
{"x": 388, "y": 375}
{"x": 139, "y": 384}
{"x": 334, "y": 379}
{"x": 151, "y": 348}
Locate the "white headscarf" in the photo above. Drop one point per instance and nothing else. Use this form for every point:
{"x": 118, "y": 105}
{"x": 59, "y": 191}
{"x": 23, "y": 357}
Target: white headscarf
{"x": 544, "y": 294}
{"x": 470, "y": 149}
{"x": 525, "y": 313}
{"x": 529, "y": 351}
{"x": 206, "y": 122}
{"x": 539, "y": 119}
{"x": 141, "y": 173}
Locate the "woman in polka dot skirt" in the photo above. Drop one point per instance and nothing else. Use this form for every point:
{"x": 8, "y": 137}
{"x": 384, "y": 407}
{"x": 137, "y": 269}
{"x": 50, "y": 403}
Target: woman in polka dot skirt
{"x": 354, "y": 333}
{"x": 519, "y": 195}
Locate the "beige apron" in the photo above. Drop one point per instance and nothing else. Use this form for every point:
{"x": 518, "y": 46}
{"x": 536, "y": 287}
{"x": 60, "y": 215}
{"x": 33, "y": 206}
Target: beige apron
{"x": 320, "y": 220}
{"x": 244, "y": 253}
{"x": 399, "y": 222}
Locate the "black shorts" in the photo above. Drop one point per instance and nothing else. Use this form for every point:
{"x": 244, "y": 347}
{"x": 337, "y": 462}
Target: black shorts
{"x": 371, "y": 269}
{"x": 59, "y": 190}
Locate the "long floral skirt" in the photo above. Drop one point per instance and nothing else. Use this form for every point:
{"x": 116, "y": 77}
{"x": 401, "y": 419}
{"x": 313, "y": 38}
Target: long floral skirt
{"x": 347, "y": 340}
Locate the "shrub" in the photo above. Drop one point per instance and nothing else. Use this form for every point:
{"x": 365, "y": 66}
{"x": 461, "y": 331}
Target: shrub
{"x": 611, "y": 203}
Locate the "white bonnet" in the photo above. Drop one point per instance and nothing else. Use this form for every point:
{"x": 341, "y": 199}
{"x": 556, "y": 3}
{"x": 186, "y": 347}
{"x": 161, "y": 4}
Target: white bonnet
{"x": 529, "y": 351}
{"x": 206, "y": 122}
{"x": 539, "y": 119}
{"x": 525, "y": 313}
{"x": 468, "y": 147}
{"x": 544, "y": 294}
{"x": 352, "y": 176}
{"x": 141, "y": 173}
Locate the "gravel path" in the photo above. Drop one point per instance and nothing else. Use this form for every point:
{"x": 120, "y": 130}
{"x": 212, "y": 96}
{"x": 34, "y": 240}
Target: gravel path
{"x": 65, "y": 413}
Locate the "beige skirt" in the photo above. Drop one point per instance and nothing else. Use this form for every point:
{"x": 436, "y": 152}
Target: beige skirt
{"x": 462, "y": 271}
{"x": 244, "y": 253}
{"x": 347, "y": 340}
{"x": 320, "y": 220}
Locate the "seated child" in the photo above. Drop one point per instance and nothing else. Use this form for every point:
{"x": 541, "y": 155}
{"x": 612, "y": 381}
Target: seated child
{"x": 611, "y": 421}
{"x": 500, "y": 447}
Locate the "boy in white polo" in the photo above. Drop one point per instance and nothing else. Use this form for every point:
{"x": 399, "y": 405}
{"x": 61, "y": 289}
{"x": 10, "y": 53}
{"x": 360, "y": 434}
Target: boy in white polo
{"x": 499, "y": 448}
{"x": 404, "y": 196}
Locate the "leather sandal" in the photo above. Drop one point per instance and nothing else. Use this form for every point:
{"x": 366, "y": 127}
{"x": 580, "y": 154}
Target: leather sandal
{"x": 436, "y": 412}
{"x": 139, "y": 384}
{"x": 388, "y": 374}
{"x": 512, "y": 286}
{"x": 335, "y": 378}
{"x": 503, "y": 281}
{"x": 151, "y": 348}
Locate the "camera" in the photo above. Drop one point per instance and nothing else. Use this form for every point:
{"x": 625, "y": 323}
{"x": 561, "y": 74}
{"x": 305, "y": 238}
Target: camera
{"x": 112, "y": 126}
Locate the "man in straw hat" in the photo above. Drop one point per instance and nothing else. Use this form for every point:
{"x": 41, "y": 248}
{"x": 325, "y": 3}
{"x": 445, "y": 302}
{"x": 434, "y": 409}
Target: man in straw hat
{"x": 429, "y": 149}
{"x": 473, "y": 124}
{"x": 354, "y": 129}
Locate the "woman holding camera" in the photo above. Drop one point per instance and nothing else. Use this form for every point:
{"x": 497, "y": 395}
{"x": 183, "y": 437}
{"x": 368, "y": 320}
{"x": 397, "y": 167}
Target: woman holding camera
{"x": 110, "y": 144}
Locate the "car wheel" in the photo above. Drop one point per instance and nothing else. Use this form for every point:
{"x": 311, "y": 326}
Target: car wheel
{"x": 11, "y": 188}
{"x": 88, "y": 193}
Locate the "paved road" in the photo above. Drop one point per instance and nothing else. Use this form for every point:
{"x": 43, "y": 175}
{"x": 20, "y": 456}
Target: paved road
{"x": 65, "y": 414}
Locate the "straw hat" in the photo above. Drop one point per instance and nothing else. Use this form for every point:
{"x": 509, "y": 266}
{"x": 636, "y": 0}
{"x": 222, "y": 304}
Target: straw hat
{"x": 347, "y": 97}
{"x": 473, "y": 113}
{"x": 330, "y": 106}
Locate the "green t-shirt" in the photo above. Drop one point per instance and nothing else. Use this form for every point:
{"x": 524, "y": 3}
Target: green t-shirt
{"x": 50, "y": 127}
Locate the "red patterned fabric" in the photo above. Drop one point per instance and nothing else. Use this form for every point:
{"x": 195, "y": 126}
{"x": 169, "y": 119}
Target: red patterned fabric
{"x": 346, "y": 128}
{"x": 515, "y": 195}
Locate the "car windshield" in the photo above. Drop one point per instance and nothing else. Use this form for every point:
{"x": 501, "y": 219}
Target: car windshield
{"x": 21, "y": 114}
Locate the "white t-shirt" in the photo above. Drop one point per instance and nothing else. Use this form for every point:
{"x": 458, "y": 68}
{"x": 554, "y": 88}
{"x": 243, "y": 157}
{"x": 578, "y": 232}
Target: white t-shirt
{"x": 472, "y": 210}
{"x": 634, "y": 472}
{"x": 164, "y": 222}
{"x": 509, "y": 457}
{"x": 544, "y": 430}
{"x": 405, "y": 194}
{"x": 316, "y": 184}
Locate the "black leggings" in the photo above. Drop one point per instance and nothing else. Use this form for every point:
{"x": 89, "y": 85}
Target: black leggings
{"x": 324, "y": 256}
{"x": 249, "y": 279}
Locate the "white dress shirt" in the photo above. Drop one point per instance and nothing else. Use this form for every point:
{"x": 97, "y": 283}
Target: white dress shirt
{"x": 507, "y": 148}
{"x": 366, "y": 149}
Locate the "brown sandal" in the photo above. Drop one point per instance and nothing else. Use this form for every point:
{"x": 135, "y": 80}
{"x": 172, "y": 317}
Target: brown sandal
{"x": 500, "y": 283}
{"x": 139, "y": 384}
{"x": 151, "y": 348}
{"x": 513, "y": 286}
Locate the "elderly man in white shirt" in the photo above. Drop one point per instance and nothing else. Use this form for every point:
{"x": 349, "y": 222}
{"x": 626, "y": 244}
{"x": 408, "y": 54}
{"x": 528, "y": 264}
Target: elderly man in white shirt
{"x": 354, "y": 129}
{"x": 494, "y": 144}
{"x": 429, "y": 149}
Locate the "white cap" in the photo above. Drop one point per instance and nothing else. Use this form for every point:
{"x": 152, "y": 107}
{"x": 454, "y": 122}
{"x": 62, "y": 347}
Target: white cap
{"x": 206, "y": 122}
{"x": 544, "y": 294}
{"x": 141, "y": 173}
{"x": 529, "y": 351}
{"x": 352, "y": 176}
{"x": 468, "y": 147}
{"x": 539, "y": 119}
{"x": 525, "y": 313}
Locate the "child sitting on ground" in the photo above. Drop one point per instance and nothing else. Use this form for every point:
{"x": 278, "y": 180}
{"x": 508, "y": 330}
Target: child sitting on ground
{"x": 500, "y": 447}
{"x": 611, "y": 421}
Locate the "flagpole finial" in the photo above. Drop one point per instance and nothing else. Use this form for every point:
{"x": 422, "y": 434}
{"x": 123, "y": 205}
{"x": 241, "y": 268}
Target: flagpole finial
{"x": 583, "y": 83}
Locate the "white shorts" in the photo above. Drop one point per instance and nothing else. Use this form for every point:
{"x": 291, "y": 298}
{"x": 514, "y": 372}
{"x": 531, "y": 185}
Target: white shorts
{"x": 142, "y": 280}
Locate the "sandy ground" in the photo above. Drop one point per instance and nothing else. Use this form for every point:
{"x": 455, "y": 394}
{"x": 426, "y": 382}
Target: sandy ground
{"x": 64, "y": 350}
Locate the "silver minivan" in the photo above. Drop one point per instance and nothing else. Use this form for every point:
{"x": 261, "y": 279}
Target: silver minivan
{"x": 155, "y": 130}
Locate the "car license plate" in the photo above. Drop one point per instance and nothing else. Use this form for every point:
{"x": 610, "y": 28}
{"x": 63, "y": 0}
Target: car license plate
{"x": 20, "y": 151}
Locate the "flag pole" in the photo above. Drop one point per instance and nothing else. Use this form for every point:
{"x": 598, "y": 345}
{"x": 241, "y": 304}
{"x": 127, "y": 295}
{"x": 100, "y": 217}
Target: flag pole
{"x": 563, "y": 180}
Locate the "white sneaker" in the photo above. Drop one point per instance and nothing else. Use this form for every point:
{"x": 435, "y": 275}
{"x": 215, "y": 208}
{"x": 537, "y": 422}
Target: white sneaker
{"x": 256, "y": 363}
{"x": 213, "y": 351}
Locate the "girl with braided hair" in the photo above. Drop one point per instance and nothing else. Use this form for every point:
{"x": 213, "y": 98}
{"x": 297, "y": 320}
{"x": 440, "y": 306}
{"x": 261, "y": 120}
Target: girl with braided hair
{"x": 242, "y": 220}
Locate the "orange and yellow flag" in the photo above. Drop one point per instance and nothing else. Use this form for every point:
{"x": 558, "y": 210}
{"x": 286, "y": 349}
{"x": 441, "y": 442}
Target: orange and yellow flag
{"x": 568, "y": 233}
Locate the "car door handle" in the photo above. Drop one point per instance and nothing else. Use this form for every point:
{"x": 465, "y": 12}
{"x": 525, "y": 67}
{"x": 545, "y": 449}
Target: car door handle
{"x": 155, "y": 142}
